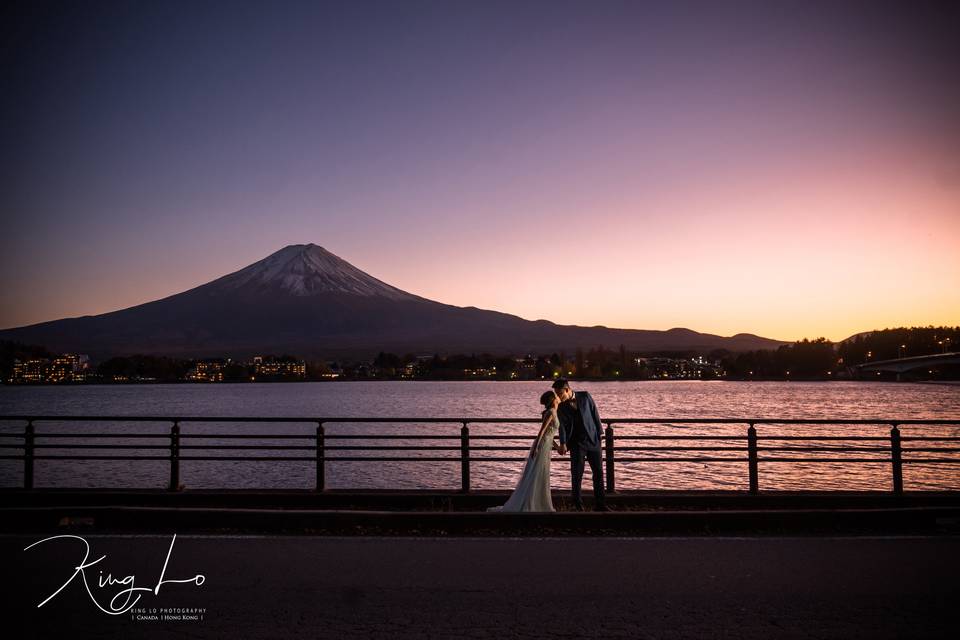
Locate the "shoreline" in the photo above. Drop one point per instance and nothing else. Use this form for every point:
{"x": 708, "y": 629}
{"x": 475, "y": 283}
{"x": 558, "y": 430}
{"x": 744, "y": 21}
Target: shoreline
{"x": 407, "y": 380}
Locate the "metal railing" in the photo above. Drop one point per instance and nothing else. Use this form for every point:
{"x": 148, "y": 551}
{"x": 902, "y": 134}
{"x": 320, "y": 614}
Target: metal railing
{"x": 320, "y": 448}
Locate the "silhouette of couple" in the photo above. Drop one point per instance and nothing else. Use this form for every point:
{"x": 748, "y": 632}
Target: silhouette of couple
{"x": 574, "y": 416}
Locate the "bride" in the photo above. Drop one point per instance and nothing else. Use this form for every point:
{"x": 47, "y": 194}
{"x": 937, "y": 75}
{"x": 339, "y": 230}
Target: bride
{"x": 533, "y": 489}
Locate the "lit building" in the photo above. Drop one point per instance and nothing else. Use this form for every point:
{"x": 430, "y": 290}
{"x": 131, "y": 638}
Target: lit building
{"x": 27, "y": 371}
{"x": 681, "y": 369}
{"x": 207, "y": 370}
{"x": 273, "y": 368}
{"x": 68, "y": 367}
{"x": 480, "y": 372}
{"x": 528, "y": 363}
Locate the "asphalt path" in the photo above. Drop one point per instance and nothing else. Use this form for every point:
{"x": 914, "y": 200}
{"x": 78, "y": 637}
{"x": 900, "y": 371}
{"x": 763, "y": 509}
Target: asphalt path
{"x": 382, "y": 587}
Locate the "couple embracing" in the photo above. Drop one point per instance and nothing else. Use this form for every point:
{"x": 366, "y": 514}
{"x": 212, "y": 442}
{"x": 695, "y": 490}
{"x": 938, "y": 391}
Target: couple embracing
{"x": 574, "y": 416}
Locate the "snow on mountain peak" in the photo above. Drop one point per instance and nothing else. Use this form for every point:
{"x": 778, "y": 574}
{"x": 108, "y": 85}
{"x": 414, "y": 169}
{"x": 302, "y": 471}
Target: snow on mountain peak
{"x": 309, "y": 269}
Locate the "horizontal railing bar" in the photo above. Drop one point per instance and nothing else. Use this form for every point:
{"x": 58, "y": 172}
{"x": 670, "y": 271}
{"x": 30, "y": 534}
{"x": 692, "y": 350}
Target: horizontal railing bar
{"x": 872, "y": 438}
{"x": 393, "y": 447}
{"x": 455, "y": 437}
{"x": 246, "y": 436}
{"x": 263, "y": 458}
{"x": 686, "y": 459}
{"x": 492, "y": 448}
{"x": 744, "y": 448}
{"x": 101, "y": 446}
{"x": 268, "y": 436}
{"x": 877, "y": 460}
{"x": 325, "y": 420}
{"x": 472, "y": 459}
{"x": 264, "y": 436}
{"x": 879, "y": 421}
{"x": 480, "y": 448}
{"x": 101, "y": 457}
{"x": 477, "y": 420}
{"x": 884, "y": 450}
{"x": 364, "y": 436}
{"x": 632, "y": 437}
{"x": 270, "y": 447}
{"x": 80, "y": 434}
{"x": 398, "y": 436}
{"x": 396, "y": 459}
{"x": 521, "y": 436}
{"x": 256, "y": 447}
{"x": 250, "y": 458}
{"x": 759, "y": 438}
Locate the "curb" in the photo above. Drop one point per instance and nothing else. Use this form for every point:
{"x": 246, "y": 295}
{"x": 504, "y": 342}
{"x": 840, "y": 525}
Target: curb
{"x": 913, "y": 520}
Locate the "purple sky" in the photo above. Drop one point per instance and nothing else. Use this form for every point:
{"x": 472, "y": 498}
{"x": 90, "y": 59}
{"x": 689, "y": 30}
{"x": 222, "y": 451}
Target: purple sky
{"x": 790, "y": 170}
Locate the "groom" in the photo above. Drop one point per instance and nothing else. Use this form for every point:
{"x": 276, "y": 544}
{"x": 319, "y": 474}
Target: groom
{"x": 580, "y": 428}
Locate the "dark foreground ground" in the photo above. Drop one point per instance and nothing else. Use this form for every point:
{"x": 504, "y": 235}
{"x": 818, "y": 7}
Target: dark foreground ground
{"x": 389, "y": 587}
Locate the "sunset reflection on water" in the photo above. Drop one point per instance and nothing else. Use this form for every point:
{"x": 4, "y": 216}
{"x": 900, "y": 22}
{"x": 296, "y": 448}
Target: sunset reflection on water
{"x": 885, "y": 402}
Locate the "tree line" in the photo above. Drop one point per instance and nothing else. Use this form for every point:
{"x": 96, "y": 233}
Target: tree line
{"x": 804, "y": 359}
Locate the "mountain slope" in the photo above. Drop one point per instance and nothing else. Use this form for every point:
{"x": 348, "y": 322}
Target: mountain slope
{"x": 307, "y": 301}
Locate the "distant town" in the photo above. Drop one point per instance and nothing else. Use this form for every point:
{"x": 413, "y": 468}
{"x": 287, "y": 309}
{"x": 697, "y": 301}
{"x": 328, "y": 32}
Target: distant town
{"x": 816, "y": 359}
{"x": 77, "y": 368}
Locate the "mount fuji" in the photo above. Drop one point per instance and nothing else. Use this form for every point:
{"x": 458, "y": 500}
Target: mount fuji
{"x": 306, "y": 301}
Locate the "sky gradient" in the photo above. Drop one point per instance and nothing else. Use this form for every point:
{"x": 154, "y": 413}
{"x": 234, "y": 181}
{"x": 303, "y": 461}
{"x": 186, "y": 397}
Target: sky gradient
{"x": 785, "y": 169}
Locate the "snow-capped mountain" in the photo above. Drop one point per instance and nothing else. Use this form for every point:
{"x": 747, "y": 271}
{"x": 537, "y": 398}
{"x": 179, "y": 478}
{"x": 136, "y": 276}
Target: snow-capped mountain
{"x": 306, "y": 270}
{"x": 306, "y": 301}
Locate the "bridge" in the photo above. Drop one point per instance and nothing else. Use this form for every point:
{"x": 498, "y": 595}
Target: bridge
{"x": 902, "y": 365}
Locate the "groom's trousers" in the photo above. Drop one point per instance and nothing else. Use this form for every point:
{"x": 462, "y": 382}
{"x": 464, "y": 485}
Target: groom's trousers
{"x": 577, "y": 455}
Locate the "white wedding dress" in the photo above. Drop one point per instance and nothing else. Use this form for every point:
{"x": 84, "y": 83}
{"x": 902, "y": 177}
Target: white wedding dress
{"x": 533, "y": 489}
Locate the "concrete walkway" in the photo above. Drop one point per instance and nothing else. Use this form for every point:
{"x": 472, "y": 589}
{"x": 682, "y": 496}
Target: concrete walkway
{"x": 377, "y": 587}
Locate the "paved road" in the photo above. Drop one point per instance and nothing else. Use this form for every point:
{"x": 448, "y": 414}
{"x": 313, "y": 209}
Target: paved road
{"x": 321, "y": 587}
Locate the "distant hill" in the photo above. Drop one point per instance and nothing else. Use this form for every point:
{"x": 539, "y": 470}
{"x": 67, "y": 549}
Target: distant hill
{"x": 862, "y": 334}
{"x": 304, "y": 300}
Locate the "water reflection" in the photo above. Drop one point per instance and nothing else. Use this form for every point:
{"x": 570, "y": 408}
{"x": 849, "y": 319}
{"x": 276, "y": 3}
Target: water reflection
{"x": 673, "y": 399}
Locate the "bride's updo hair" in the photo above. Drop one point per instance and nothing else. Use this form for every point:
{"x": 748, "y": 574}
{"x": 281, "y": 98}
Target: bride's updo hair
{"x": 547, "y": 399}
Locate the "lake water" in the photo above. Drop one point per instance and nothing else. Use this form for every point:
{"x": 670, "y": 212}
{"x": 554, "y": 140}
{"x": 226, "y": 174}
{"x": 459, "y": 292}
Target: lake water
{"x": 408, "y": 399}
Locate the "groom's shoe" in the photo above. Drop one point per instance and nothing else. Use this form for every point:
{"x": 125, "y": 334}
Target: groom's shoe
{"x": 601, "y": 507}
{"x": 578, "y": 506}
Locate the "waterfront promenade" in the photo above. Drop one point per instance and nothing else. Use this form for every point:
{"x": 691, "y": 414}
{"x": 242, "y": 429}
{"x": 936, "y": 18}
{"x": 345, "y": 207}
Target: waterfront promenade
{"x": 382, "y": 587}
{"x": 452, "y": 513}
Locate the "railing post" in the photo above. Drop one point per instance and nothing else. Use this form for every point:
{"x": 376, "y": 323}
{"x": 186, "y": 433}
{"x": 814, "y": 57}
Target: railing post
{"x": 465, "y": 458}
{"x": 321, "y": 458}
{"x": 896, "y": 454}
{"x": 175, "y": 457}
{"x": 752, "y": 459}
{"x": 28, "y": 455}
{"x": 611, "y": 480}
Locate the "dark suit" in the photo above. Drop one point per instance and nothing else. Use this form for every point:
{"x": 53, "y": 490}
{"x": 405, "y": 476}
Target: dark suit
{"x": 582, "y": 432}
